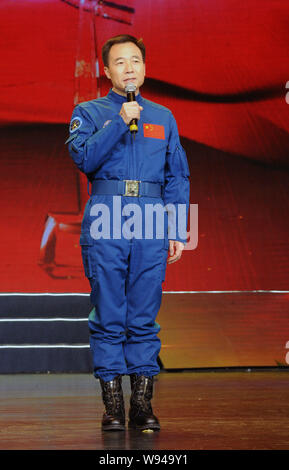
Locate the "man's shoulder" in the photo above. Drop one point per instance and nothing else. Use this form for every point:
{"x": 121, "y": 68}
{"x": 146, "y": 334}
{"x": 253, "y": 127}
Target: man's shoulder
{"x": 92, "y": 104}
{"x": 157, "y": 106}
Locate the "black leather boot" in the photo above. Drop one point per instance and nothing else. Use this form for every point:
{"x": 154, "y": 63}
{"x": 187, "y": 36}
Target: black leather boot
{"x": 114, "y": 415}
{"x": 141, "y": 414}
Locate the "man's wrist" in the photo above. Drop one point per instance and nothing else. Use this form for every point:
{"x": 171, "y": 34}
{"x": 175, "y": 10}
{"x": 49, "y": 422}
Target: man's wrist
{"x": 178, "y": 240}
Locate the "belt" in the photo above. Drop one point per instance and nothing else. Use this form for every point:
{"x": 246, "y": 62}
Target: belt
{"x": 126, "y": 188}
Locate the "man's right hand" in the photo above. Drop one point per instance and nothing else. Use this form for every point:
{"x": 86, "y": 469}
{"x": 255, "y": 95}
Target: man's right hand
{"x": 130, "y": 110}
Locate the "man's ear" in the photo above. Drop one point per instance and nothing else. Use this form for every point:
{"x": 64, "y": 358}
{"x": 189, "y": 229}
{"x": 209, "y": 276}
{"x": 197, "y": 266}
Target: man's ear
{"x": 106, "y": 71}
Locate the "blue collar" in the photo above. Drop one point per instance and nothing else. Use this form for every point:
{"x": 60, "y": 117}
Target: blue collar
{"x": 120, "y": 98}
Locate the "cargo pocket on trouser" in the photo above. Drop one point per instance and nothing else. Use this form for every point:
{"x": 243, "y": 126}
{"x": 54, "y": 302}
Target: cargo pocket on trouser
{"x": 89, "y": 260}
{"x": 86, "y": 252}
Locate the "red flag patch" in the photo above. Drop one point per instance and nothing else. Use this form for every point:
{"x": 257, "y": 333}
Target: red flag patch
{"x": 154, "y": 130}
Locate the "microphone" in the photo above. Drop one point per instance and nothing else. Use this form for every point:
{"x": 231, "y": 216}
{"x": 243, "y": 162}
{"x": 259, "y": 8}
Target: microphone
{"x": 130, "y": 96}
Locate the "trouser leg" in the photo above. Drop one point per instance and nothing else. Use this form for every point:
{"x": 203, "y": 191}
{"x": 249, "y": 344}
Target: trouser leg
{"x": 144, "y": 294}
{"x": 107, "y": 320}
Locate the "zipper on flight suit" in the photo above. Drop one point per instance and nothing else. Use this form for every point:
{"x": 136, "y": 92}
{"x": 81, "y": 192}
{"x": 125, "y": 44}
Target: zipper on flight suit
{"x": 133, "y": 154}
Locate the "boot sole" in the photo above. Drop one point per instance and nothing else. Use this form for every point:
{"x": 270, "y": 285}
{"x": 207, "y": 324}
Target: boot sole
{"x": 117, "y": 427}
{"x": 153, "y": 427}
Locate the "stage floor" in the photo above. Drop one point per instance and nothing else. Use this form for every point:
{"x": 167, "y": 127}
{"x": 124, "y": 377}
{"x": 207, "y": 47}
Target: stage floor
{"x": 197, "y": 410}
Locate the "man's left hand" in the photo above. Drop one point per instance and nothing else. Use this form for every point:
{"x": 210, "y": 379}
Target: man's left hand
{"x": 175, "y": 251}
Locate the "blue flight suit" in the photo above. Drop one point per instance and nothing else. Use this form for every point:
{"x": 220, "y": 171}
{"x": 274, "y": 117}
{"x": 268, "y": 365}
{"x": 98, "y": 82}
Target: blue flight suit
{"x": 126, "y": 274}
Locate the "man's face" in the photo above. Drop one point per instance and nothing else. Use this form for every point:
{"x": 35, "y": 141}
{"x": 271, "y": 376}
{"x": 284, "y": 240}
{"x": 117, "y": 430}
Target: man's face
{"x": 125, "y": 64}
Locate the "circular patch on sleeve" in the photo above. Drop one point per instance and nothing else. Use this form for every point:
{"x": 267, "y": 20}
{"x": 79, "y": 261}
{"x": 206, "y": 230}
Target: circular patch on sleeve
{"x": 75, "y": 124}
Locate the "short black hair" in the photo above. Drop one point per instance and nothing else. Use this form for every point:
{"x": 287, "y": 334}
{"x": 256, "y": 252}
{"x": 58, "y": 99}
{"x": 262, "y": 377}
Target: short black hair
{"x": 120, "y": 39}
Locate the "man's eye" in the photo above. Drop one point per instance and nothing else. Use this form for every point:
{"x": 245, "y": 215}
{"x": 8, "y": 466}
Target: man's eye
{"x": 119, "y": 63}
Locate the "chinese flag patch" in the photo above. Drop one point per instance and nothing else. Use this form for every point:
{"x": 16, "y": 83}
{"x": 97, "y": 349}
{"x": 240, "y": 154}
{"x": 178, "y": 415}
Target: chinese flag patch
{"x": 154, "y": 130}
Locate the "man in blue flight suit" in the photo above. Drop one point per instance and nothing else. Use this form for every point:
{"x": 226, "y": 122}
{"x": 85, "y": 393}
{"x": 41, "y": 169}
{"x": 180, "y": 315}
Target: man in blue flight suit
{"x": 129, "y": 172}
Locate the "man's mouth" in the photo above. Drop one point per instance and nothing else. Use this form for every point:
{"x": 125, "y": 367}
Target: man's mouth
{"x": 129, "y": 79}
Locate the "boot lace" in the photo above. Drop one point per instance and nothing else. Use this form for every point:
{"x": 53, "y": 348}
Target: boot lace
{"x": 112, "y": 398}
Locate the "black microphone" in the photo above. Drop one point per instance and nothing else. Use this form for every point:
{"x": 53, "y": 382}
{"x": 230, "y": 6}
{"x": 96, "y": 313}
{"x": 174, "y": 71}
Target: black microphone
{"x": 130, "y": 89}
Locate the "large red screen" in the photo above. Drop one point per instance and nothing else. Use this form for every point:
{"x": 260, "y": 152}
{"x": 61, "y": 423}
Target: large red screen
{"x": 221, "y": 66}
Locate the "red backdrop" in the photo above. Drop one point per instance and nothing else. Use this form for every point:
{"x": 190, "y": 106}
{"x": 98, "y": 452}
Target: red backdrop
{"x": 221, "y": 67}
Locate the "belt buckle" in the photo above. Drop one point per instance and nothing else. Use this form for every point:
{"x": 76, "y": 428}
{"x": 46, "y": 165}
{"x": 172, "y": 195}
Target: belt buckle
{"x": 131, "y": 188}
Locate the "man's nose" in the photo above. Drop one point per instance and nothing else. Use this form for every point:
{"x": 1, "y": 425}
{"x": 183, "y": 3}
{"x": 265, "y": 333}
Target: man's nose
{"x": 129, "y": 67}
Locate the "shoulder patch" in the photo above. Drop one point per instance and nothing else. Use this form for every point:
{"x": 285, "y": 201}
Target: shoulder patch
{"x": 75, "y": 124}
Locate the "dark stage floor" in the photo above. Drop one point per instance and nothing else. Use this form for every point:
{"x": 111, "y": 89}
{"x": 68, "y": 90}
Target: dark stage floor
{"x": 197, "y": 410}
